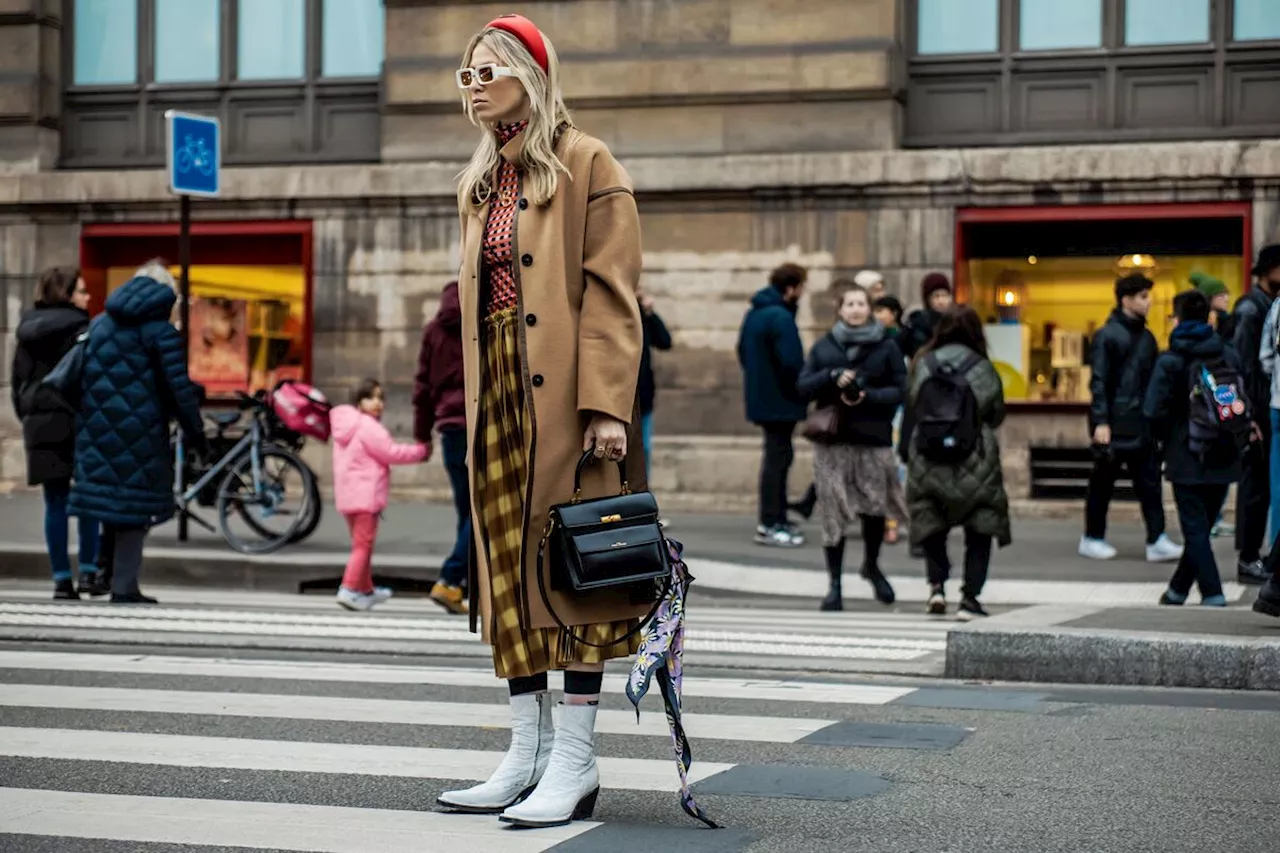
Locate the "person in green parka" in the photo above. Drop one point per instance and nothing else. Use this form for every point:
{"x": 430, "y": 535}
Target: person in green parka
{"x": 968, "y": 493}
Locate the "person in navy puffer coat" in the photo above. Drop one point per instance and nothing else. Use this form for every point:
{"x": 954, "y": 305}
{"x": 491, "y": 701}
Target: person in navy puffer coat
{"x": 134, "y": 382}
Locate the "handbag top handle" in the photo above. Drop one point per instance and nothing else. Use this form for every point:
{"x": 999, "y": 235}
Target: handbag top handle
{"x": 587, "y": 459}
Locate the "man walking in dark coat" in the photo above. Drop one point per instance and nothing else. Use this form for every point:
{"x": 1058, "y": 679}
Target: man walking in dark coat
{"x": 1253, "y": 500}
{"x": 771, "y": 356}
{"x": 1124, "y": 353}
{"x": 439, "y": 403}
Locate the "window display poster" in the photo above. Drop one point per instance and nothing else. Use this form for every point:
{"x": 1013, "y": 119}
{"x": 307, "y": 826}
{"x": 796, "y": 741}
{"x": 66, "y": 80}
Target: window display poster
{"x": 219, "y": 354}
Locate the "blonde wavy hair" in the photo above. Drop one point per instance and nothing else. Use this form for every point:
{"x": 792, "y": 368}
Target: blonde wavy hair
{"x": 547, "y": 112}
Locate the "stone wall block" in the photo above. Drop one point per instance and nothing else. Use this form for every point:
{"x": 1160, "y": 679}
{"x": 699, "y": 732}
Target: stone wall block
{"x": 663, "y": 23}
{"x": 769, "y": 22}
{"x": 1266, "y": 222}
{"x": 57, "y": 244}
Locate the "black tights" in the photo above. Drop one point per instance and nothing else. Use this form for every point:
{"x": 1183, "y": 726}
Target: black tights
{"x": 575, "y": 683}
{"x": 872, "y": 538}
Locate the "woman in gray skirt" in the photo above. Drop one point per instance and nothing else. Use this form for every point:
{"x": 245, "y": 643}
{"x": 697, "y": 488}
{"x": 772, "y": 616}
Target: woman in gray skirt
{"x": 857, "y": 374}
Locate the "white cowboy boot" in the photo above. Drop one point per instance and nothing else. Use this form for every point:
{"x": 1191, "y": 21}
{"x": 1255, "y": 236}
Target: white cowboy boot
{"x": 532, "y": 734}
{"x": 569, "y": 788}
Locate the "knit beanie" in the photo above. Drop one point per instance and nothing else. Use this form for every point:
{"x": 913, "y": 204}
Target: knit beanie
{"x": 932, "y": 283}
{"x": 1207, "y": 284}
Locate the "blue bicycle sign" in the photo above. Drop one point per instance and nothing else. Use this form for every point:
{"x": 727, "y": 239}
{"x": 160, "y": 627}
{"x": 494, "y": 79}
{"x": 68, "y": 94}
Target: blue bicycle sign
{"x": 193, "y": 153}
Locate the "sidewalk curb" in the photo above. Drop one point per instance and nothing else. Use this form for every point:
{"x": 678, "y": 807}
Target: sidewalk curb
{"x": 290, "y": 571}
{"x": 1031, "y": 645}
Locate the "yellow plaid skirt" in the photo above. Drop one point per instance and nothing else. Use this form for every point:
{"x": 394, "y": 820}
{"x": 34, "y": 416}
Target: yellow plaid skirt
{"x": 500, "y": 482}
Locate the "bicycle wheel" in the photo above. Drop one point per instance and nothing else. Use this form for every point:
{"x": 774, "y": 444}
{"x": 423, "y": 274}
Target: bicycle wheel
{"x": 272, "y": 510}
{"x": 310, "y": 515}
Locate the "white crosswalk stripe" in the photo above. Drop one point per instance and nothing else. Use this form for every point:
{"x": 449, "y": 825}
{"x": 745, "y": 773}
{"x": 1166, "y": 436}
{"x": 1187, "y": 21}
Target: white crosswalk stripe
{"x": 744, "y": 634}
{"x": 70, "y": 719}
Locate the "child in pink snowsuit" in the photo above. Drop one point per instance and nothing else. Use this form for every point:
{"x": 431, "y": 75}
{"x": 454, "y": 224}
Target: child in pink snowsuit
{"x": 363, "y": 453}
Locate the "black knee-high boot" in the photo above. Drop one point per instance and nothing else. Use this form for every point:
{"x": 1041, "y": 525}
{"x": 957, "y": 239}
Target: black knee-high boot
{"x": 835, "y": 565}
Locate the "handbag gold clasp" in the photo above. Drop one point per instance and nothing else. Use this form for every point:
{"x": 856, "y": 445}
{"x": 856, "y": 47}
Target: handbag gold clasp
{"x": 610, "y": 519}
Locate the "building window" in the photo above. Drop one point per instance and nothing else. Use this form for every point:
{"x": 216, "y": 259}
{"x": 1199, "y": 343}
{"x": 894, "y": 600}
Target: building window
{"x": 293, "y": 81}
{"x": 186, "y": 40}
{"x": 958, "y": 26}
{"x": 106, "y": 42}
{"x": 353, "y": 36}
{"x": 270, "y": 40}
{"x": 1153, "y": 22}
{"x": 1049, "y": 72}
{"x": 1257, "y": 19}
{"x": 1059, "y": 24}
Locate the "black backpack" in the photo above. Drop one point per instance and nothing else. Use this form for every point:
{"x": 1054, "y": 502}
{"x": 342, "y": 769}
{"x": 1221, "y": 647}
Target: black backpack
{"x": 1219, "y": 414}
{"x": 947, "y": 429}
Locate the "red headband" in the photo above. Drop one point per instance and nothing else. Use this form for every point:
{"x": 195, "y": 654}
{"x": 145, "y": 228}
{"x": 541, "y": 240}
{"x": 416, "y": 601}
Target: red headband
{"x": 529, "y": 35}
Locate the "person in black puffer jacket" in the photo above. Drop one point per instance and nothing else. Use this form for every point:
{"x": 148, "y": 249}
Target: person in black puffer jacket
{"x": 45, "y": 333}
{"x": 859, "y": 372}
{"x": 1123, "y": 354}
{"x": 1200, "y": 480}
{"x": 134, "y": 382}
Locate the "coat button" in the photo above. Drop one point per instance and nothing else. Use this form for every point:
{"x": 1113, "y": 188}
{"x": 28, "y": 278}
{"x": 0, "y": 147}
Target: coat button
{"x": 524, "y": 204}
{"x": 531, "y": 319}
{"x": 537, "y": 380}
{"x": 527, "y": 260}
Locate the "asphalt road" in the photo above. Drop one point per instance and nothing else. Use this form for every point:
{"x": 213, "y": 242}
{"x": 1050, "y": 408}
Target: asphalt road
{"x": 206, "y": 749}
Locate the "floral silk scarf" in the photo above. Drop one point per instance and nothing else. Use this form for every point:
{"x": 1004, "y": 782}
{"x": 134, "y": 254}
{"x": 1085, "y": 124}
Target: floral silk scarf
{"x": 661, "y": 654}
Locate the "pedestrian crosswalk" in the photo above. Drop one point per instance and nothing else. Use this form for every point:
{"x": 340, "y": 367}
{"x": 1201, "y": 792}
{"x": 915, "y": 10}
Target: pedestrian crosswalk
{"x": 267, "y": 754}
{"x": 725, "y": 636}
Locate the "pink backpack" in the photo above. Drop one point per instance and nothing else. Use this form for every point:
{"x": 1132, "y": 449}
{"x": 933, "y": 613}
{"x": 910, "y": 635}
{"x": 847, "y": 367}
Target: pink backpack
{"x": 302, "y": 409}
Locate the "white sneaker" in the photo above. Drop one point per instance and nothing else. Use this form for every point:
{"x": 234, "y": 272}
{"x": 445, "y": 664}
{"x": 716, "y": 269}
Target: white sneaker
{"x": 352, "y": 600}
{"x": 383, "y": 593}
{"x": 1096, "y": 549}
{"x": 778, "y": 537}
{"x": 1164, "y": 550}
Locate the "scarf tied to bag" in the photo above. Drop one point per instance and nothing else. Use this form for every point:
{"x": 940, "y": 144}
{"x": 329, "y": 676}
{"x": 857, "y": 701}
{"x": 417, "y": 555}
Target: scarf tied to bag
{"x": 662, "y": 654}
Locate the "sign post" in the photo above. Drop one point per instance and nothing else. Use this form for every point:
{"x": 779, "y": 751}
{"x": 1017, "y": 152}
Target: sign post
{"x": 193, "y": 162}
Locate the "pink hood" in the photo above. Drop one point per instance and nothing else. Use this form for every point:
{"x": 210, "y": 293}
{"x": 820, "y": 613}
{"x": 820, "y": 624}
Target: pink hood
{"x": 363, "y": 453}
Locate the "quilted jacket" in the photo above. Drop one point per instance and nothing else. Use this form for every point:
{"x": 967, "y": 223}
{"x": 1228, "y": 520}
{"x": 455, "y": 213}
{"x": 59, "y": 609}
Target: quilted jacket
{"x": 134, "y": 382}
{"x": 969, "y": 495}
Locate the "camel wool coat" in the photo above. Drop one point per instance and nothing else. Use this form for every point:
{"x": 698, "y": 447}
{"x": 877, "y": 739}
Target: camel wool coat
{"x": 576, "y": 261}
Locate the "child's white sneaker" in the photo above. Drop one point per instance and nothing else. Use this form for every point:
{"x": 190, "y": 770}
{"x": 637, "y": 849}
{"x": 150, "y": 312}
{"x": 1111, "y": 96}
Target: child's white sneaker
{"x": 383, "y": 593}
{"x": 352, "y": 600}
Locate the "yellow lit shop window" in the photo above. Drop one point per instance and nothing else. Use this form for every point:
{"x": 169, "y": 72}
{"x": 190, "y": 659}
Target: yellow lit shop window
{"x": 1041, "y": 312}
{"x": 248, "y": 325}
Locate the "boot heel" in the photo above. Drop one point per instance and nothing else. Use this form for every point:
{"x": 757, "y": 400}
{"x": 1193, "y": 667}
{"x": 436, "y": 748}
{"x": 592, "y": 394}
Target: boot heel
{"x": 586, "y": 806}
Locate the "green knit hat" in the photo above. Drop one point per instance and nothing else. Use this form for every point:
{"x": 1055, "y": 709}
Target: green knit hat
{"x": 1207, "y": 284}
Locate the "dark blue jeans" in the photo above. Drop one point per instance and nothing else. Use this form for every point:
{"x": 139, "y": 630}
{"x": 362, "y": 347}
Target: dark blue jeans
{"x": 1198, "y": 508}
{"x": 453, "y": 444}
{"x": 57, "y": 529}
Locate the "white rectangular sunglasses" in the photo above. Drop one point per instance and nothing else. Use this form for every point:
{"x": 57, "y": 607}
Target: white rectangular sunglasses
{"x": 484, "y": 74}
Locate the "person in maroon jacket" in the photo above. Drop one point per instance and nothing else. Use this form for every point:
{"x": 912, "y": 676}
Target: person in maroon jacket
{"x": 439, "y": 403}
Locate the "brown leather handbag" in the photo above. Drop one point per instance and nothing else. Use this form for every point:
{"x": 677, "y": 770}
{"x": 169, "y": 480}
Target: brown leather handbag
{"x": 823, "y": 424}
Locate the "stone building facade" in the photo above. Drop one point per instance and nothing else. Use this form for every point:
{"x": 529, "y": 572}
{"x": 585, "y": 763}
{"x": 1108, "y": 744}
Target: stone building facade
{"x": 756, "y": 131}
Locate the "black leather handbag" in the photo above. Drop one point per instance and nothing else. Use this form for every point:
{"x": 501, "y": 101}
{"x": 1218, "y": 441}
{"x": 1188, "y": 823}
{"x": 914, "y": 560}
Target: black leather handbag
{"x": 612, "y": 543}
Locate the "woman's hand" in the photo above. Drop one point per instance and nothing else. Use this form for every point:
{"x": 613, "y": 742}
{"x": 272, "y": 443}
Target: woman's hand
{"x": 862, "y": 395}
{"x": 609, "y": 435}
{"x": 843, "y": 380}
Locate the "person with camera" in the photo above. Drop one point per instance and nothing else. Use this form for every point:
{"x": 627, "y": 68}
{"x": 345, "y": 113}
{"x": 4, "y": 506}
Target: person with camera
{"x": 855, "y": 376}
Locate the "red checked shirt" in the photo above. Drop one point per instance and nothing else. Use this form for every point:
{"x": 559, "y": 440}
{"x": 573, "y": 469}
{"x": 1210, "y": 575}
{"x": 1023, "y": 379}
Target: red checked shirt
{"x": 500, "y": 228}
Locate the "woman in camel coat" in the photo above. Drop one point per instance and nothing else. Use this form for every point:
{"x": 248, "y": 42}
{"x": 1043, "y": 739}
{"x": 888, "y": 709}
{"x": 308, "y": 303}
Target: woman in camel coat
{"x": 551, "y": 335}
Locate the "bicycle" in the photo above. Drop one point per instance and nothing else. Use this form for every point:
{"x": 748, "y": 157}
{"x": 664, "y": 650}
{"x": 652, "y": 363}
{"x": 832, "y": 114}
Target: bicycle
{"x": 253, "y": 489}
